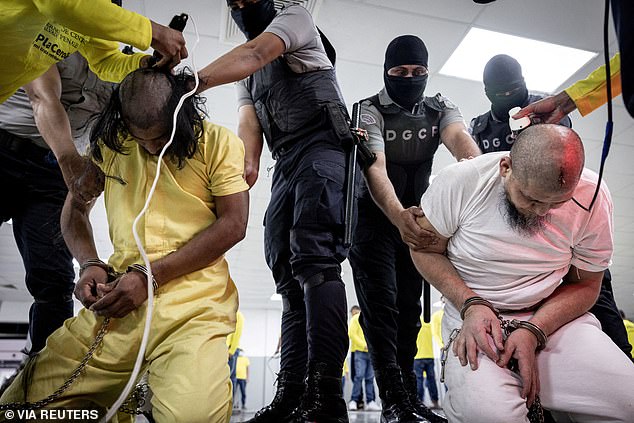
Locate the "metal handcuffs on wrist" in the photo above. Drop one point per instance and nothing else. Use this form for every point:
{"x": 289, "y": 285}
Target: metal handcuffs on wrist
{"x": 142, "y": 269}
{"x": 112, "y": 274}
{"x": 507, "y": 325}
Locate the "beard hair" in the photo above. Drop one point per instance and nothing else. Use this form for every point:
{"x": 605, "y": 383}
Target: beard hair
{"x": 525, "y": 225}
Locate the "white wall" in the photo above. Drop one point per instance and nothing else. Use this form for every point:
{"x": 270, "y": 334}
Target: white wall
{"x": 261, "y": 331}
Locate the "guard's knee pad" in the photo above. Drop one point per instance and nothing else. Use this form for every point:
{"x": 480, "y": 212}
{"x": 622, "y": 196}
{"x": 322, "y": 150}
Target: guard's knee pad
{"x": 326, "y": 275}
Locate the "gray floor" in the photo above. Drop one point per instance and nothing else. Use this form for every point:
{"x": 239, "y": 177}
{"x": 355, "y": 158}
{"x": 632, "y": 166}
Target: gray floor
{"x": 353, "y": 416}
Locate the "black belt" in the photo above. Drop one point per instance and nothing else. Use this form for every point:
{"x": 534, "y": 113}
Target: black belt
{"x": 21, "y": 146}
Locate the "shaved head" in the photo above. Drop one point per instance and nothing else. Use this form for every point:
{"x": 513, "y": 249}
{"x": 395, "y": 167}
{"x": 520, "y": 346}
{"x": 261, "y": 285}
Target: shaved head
{"x": 541, "y": 173}
{"x": 548, "y": 156}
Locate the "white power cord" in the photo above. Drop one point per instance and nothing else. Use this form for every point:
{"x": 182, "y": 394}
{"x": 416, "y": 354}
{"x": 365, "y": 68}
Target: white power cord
{"x": 150, "y": 289}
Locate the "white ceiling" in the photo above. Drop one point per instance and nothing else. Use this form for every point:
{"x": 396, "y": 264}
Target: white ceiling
{"x": 360, "y": 30}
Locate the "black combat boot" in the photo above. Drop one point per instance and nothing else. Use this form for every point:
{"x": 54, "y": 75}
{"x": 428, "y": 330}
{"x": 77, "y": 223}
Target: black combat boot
{"x": 290, "y": 387}
{"x": 323, "y": 400}
{"x": 409, "y": 378}
{"x": 397, "y": 407}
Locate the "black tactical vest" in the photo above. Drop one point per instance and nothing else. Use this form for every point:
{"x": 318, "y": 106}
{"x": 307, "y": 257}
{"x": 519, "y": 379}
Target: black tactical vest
{"x": 289, "y": 105}
{"x": 492, "y": 135}
{"x": 411, "y": 140}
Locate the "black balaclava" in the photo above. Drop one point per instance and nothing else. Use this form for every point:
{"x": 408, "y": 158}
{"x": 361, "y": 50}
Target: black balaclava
{"x": 253, "y": 18}
{"x": 405, "y": 50}
{"x": 504, "y": 74}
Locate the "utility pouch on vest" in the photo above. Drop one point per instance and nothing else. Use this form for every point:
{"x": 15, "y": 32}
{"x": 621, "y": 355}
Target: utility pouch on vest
{"x": 346, "y": 133}
{"x": 339, "y": 122}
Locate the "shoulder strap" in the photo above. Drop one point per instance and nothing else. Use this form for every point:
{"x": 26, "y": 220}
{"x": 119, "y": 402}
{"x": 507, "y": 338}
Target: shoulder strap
{"x": 330, "y": 49}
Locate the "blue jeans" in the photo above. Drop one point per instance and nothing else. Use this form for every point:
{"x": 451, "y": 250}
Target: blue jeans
{"x": 232, "y": 369}
{"x": 425, "y": 365}
{"x": 363, "y": 371}
{"x": 242, "y": 385}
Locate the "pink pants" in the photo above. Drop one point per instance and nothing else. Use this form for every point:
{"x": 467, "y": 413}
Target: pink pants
{"x": 584, "y": 377}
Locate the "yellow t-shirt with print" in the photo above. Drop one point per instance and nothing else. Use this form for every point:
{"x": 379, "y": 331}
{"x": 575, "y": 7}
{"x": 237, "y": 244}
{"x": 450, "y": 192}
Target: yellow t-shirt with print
{"x": 35, "y": 34}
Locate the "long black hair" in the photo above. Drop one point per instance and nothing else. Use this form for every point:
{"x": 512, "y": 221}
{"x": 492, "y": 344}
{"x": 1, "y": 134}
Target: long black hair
{"x": 143, "y": 99}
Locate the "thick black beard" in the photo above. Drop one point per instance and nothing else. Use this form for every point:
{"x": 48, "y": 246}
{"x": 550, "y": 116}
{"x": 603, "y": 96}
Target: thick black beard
{"x": 526, "y": 226}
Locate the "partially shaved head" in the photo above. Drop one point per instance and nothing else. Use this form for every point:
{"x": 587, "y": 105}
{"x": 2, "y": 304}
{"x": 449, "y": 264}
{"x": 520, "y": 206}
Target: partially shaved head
{"x": 145, "y": 96}
{"x": 548, "y": 156}
{"x": 143, "y": 108}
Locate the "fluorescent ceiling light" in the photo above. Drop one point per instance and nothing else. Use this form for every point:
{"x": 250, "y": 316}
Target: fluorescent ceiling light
{"x": 545, "y": 66}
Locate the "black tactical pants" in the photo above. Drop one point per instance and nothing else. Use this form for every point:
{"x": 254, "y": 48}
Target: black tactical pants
{"x": 388, "y": 288}
{"x": 607, "y": 313}
{"x": 33, "y": 193}
{"x": 304, "y": 227}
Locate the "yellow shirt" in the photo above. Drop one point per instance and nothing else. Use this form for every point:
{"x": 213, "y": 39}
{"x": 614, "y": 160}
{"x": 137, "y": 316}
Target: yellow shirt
{"x": 590, "y": 93}
{"x": 357, "y": 339}
{"x": 35, "y": 34}
{"x": 629, "y": 327}
{"x": 233, "y": 340}
{"x": 182, "y": 206}
{"x": 436, "y": 327}
{"x": 241, "y": 367}
{"x": 424, "y": 341}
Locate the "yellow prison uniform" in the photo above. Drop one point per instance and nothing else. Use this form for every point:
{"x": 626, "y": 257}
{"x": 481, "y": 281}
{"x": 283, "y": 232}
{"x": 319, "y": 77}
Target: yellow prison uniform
{"x": 242, "y": 363}
{"x": 233, "y": 340}
{"x": 590, "y": 93}
{"x": 436, "y": 327}
{"x": 357, "y": 339}
{"x": 629, "y": 327}
{"x": 35, "y": 34}
{"x": 424, "y": 341}
{"x": 187, "y": 353}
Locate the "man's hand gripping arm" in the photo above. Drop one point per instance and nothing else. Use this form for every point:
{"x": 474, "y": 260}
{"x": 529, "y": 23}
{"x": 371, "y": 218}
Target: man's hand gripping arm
{"x": 383, "y": 194}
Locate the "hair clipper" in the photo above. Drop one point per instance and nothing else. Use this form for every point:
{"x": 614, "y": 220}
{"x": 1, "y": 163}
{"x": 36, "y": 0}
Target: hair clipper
{"x": 178, "y": 23}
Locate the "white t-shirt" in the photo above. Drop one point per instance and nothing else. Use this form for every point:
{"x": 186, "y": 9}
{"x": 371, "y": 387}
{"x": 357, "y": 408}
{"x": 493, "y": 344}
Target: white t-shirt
{"x": 513, "y": 271}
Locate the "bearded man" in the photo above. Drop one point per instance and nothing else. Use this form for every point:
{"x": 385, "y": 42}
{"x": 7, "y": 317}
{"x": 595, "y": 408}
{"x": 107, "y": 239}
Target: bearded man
{"x": 520, "y": 251}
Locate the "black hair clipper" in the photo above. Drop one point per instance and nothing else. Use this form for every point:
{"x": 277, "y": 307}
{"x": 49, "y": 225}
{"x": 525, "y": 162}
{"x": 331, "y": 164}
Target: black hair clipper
{"x": 178, "y": 23}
